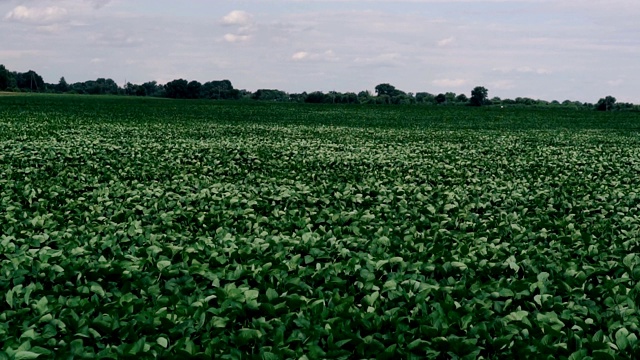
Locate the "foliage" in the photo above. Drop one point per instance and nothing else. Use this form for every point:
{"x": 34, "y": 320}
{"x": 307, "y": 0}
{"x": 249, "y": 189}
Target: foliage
{"x": 606, "y": 104}
{"x": 479, "y": 96}
{"x": 7, "y": 79}
{"x": 226, "y": 230}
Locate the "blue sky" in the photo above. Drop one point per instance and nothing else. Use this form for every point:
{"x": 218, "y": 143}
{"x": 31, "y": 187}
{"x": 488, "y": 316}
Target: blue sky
{"x": 553, "y": 50}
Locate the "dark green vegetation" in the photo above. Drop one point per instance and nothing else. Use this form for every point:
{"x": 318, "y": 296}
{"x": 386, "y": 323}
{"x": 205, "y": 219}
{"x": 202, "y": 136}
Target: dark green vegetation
{"x": 144, "y": 228}
{"x": 385, "y": 94}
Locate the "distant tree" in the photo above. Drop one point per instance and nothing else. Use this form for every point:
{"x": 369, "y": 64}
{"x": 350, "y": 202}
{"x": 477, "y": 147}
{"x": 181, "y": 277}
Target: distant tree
{"x": 479, "y": 96}
{"x": 29, "y": 81}
{"x": 193, "y": 89}
{"x": 450, "y": 97}
{"x": 177, "y": 89}
{"x": 317, "y": 97}
{"x": 606, "y": 104}
{"x": 220, "y": 90}
{"x": 425, "y": 98}
{"x": 462, "y": 98}
{"x": 7, "y": 79}
{"x": 350, "y": 98}
{"x": 364, "y": 97}
{"x": 151, "y": 88}
{"x": 62, "y": 86}
{"x": 441, "y": 99}
{"x": 385, "y": 89}
{"x": 270, "y": 95}
{"x": 134, "y": 90}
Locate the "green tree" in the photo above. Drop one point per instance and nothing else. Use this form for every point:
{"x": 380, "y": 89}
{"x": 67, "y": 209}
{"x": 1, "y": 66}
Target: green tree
{"x": 7, "y": 80}
{"x": 479, "y": 96}
{"x": 606, "y": 104}
{"x": 29, "y": 81}
{"x": 425, "y": 98}
{"x": 386, "y": 89}
{"x": 62, "y": 86}
{"x": 193, "y": 89}
{"x": 462, "y": 98}
{"x": 177, "y": 89}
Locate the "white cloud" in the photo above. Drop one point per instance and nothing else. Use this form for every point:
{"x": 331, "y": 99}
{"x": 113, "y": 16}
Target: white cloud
{"x": 116, "y": 39}
{"x": 237, "y": 17}
{"x": 96, "y": 60}
{"x": 234, "y": 38}
{"x": 45, "y": 14}
{"x": 300, "y": 55}
{"x": 388, "y": 59}
{"x": 50, "y": 29}
{"x": 617, "y": 82}
{"x": 502, "y": 85}
{"x": 97, "y": 4}
{"x": 446, "y": 42}
{"x": 522, "y": 70}
{"x": 449, "y": 82}
{"x": 328, "y": 55}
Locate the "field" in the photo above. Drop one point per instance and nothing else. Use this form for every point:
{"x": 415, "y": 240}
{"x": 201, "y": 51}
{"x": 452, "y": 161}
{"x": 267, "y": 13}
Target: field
{"x": 145, "y": 228}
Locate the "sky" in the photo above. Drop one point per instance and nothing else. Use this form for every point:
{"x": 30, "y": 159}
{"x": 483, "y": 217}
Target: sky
{"x": 578, "y": 50}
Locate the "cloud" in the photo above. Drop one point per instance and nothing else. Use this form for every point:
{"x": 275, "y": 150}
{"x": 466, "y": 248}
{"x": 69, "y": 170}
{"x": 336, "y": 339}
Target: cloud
{"x": 502, "y": 85}
{"x": 50, "y": 29}
{"x": 237, "y": 17}
{"x": 234, "y": 38}
{"x": 522, "y": 70}
{"x": 446, "y": 42}
{"x": 384, "y": 60}
{"x": 328, "y": 55}
{"x": 300, "y": 55}
{"x": 617, "y": 82}
{"x": 116, "y": 39}
{"x": 97, "y": 4}
{"x": 45, "y": 14}
{"x": 449, "y": 82}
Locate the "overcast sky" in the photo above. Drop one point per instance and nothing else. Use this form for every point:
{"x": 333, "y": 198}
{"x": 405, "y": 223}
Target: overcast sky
{"x": 553, "y": 50}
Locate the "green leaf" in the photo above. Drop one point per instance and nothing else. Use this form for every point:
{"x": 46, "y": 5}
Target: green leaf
{"x": 517, "y": 315}
{"x": 29, "y": 334}
{"x": 390, "y": 285}
{"x": 251, "y": 295}
{"x": 506, "y": 293}
{"x": 269, "y": 356}
{"x": 272, "y": 294}
{"x": 249, "y": 334}
{"x": 162, "y": 342}
{"x": 25, "y": 355}
{"x": 96, "y": 288}
{"x": 42, "y": 305}
{"x": 219, "y": 322}
{"x": 9, "y": 298}
{"x": 543, "y": 276}
{"x": 629, "y": 260}
{"x": 459, "y": 265}
{"x": 621, "y": 338}
{"x": 578, "y": 355}
{"x": 162, "y": 264}
{"x": 603, "y": 355}
{"x": 418, "y": 343}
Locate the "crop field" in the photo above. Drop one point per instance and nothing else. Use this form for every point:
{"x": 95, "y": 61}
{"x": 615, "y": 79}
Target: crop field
{"x": 146, "y": 228}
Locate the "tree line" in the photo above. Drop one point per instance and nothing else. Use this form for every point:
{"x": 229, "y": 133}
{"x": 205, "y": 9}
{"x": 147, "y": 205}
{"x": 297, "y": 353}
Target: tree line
{"x": 385, "y": 93}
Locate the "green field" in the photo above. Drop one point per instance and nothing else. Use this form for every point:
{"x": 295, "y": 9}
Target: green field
{"x": 147, "y": 228}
